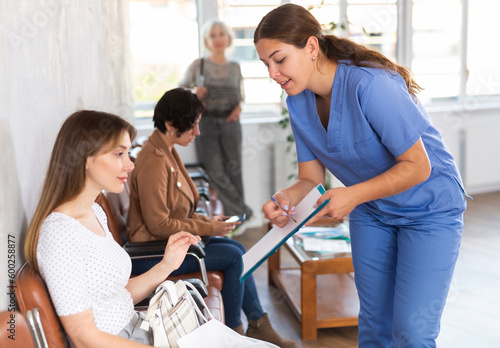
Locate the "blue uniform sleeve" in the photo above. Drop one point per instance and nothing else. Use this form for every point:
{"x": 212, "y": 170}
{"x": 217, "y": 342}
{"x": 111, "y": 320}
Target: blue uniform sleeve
{"x": 304, "y": 154}
{"x": 393, "y": 113}
{"x": 299, "y": 109}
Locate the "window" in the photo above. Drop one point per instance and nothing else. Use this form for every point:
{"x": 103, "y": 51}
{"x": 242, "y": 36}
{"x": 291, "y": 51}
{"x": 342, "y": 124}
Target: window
{"x": 442, "y": 41}
{"x": 164, "y": 41}
{"x": 261, "y": 93}
{"x": 483, "y": 55}
{"x": 436, "y": 60}
{"x": 448, "y": 44}
{"x": 451, "y": 56}
{"x": 373, "y": 24}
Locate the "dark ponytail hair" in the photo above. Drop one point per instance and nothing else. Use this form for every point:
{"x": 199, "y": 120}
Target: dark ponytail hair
{"x": 332, "y": 47}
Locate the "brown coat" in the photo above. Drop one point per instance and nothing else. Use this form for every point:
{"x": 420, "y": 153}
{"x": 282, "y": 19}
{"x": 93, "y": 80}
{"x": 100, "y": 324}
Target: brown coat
{"x": 163, "y": 198}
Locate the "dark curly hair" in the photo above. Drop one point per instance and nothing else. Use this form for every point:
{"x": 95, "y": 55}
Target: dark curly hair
{"x": 179, "y": 106}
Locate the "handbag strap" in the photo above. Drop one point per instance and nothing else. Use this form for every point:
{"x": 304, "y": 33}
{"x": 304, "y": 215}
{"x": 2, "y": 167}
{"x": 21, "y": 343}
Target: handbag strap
{"x": 153, "y": 305}
{"x": 174, "y": 291}
{"x": 165, "y": 288}
{"x": 171, "y": 290}
{"x": 197, "y": 294}
{"x": 202, "y": 67}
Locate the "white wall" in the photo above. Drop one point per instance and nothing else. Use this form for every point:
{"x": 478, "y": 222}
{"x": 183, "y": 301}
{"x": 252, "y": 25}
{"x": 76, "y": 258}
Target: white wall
{"x": 474, "y": 154}
{"x": 57, "y": 56}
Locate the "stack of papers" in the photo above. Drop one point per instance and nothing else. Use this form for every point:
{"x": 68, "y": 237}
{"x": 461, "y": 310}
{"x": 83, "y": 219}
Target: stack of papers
{"x": 326, "y": 245}
{"x": 339, "y": 231}
{"x": 325, "y": 239}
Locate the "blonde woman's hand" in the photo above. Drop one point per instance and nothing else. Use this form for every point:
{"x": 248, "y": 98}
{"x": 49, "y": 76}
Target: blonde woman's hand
{"x": 222, "y": 228}
{"x": 177, "y": 247}
{"x": 234, "y": 115}
{"x": 201, "y": 92}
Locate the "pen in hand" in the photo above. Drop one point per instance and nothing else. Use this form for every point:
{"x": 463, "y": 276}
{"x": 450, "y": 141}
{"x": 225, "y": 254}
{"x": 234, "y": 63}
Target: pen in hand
{"x": 279, "y": 206}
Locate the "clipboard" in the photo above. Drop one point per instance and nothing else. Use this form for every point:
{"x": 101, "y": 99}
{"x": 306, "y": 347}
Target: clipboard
{"x": 277, "y": 236}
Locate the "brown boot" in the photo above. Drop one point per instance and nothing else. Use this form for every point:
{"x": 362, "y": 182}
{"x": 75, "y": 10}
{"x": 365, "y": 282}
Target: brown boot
{"x": 261, "y": 329}
{"x": 239, "y": 329}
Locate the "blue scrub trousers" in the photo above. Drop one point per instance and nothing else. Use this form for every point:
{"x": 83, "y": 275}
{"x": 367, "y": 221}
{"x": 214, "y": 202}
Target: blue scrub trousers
{"x": 403, "y": 273}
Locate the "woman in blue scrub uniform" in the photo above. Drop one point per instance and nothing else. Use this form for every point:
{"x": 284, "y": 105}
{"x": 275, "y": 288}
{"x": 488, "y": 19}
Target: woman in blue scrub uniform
{"x": 355, "y": 113}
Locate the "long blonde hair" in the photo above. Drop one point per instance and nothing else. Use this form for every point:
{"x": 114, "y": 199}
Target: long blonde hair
{"x": 84, "y": 133}
{"x": 294, "y": 25}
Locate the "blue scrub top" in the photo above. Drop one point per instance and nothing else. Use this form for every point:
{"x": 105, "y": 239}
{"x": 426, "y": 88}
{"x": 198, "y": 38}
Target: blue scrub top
{"x": 374, "y": 119}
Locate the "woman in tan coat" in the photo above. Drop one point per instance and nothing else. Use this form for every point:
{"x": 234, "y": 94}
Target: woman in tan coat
{"x": 163, "y": 199}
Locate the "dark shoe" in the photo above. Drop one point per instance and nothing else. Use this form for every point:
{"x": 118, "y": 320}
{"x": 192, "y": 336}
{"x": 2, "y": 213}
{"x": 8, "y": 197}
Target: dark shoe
{"x": 261, "y": 329}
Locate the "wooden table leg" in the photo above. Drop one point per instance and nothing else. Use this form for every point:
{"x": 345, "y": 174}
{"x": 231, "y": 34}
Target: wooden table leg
{"x": 308, "y": 299}
{"x": 273, "y": 265}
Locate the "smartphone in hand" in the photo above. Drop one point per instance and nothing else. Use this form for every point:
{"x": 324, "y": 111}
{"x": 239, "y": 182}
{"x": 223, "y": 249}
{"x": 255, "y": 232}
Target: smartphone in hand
{"x": 235, "y": 218}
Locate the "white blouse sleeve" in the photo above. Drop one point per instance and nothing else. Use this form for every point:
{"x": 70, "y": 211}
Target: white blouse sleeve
{"x": 61, "y": 261}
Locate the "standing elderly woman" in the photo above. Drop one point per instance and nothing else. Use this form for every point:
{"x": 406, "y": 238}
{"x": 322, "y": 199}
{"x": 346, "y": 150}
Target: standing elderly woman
{"x": 219, "y": 84}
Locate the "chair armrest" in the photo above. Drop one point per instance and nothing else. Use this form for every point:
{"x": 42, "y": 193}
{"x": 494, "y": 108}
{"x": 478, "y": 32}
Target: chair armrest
{"x": 145, "y": 250}
{"x": 196, "y": 171}
{"x": 198, "y": 175}
{"x": 193, "y": 165}
{"x": 198, "y": 249}
{"x": 156, "y": 249}
{"x": 204, "y": 192}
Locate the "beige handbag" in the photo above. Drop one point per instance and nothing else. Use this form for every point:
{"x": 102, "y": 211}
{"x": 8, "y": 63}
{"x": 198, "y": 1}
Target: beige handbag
{"x": 172, "y": 313}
